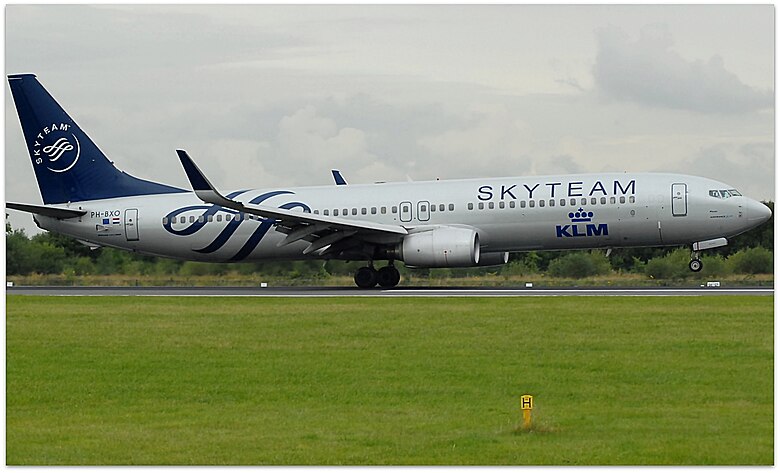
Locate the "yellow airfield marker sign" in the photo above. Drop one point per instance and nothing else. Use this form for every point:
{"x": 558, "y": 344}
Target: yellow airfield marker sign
{"x": 527, "y": 405}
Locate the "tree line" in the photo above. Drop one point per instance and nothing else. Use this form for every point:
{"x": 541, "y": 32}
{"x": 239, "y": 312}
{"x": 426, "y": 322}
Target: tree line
{"x": 51, "y": 253}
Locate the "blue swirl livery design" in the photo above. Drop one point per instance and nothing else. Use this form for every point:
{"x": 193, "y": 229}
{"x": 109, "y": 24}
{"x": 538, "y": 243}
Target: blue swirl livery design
{"x": 581, "y": 226}
{"x": 207, "y": 216}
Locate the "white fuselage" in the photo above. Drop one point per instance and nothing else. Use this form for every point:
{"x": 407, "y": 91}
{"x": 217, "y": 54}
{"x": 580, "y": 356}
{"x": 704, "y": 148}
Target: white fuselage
{"x": 510, "y": 214}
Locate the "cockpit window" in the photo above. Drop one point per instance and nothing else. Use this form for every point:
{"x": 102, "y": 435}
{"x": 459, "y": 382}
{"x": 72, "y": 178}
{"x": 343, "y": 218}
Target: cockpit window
{"x": 724, "y": 193}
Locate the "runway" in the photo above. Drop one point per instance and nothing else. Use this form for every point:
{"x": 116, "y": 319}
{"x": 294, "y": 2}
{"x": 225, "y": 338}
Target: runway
{"x": 395, "y": 292}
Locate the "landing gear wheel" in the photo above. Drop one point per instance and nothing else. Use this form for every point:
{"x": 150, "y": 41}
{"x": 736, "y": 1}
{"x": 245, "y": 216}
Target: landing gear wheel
{"x": 365, "y": 277}
{"x": 695, "y": 265}
{"x": 388, "y": 276}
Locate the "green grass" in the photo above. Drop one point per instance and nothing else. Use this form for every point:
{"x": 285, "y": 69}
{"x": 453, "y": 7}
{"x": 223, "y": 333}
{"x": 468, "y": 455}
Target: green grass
{"x": 166, "y": 380}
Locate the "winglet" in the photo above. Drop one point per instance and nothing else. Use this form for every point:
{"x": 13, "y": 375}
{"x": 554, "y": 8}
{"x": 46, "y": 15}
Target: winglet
{"x": 202, "y": 186}
{"x": 338, "y": 178}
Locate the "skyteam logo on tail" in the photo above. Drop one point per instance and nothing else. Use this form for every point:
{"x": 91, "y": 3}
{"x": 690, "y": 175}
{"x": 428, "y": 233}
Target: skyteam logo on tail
{"x": 56, "y": 148}
{"x": 581, "y": 226}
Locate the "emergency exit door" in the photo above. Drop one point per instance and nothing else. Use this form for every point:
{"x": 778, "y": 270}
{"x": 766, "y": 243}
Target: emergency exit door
{"x": 679, "y": 200}
{"x": 131, "y": 224}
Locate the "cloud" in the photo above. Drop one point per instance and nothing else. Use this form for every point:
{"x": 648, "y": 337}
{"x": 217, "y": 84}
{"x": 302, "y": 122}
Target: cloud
{"x": 744, "y": 166}
{"x": 649, "y": 71}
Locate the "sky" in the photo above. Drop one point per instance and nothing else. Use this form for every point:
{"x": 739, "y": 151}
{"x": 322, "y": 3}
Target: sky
{"x": 270, "y": 96}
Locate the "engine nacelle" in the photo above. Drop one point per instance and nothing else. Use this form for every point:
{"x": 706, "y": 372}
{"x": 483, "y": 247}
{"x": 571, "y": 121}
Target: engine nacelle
{"x": 441, "y": 247}
{"x": 493, "y": 259}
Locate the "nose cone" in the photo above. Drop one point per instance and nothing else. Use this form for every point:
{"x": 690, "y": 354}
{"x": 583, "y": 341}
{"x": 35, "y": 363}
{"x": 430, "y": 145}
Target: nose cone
{"x": 757, "y": 212}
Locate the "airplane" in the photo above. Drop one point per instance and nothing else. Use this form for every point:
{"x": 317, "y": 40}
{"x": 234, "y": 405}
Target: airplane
{"x": 424, "y": 224}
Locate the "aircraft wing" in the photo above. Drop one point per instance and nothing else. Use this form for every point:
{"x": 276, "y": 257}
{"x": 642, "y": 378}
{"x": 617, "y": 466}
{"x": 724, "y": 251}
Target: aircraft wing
{"x": 320, "y": 230}
{"x": 46, "y": 210}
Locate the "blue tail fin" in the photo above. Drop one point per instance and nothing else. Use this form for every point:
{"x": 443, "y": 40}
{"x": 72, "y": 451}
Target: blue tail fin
{"x": 68, "y": 165}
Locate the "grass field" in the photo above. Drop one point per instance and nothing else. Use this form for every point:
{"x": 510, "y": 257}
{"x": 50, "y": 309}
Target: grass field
{"x": 621, "y": 380}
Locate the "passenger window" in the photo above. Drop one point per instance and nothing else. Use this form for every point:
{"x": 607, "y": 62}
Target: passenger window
{"x": 563, "y": 202}
{"x": 211, "y": 218}
{"x": 622, "y": 199}
{"x": 335, "y": 212}
{"x": 603, "y": 200}
{"x": 481, "y": 206}
{"x": 165, "y": 220}
{"x": 612, "y": 200}
{"x": 452, "y": 207}
{"x": 363, "y": 211}
{"x": 384, "y": 210}
{"x": 471, "y": 206}
{"x": 441, "y": 208}
{"x": 344, "y": 212}
{"x": 592, "y": 201}
{"x": 325, "y": 212}
{"x": 584, "y": 201}
{"x": 632, "y": 199}
{"x": 395, "y": 209}
{"x": 433, "y": 208}
{"x": 491, "y": 205}
{"x": 354, "y": 211}
{"x": 530, "y": 203}
{"x": 541, "y": 203}
{"x": 373, "y": 210}
{"x": 512, "y": 204}
{"x": 219, "y": 218}
{"x": 552, "y": 202}
{"x": 192, "y": 219}
{"x": 423, "y": 208}
{"x": 522, "y": 204}
{"x": 572, "y": 202}
{"x": 501, "y": 205}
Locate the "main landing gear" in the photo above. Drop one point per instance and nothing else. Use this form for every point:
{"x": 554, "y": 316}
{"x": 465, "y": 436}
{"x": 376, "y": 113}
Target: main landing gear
{"x": 695, "y": 264}
{"x": 368, "y": 277}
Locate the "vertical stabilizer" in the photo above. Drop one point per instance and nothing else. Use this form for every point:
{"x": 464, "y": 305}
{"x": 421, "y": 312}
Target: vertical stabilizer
{"x": 69, "y": 167}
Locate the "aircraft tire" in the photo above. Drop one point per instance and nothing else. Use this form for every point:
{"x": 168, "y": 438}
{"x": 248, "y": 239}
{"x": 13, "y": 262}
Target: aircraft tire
{"x": 695, "y": 265}
{"x": 366, "y": 277}
{"x": 388, "y": 276}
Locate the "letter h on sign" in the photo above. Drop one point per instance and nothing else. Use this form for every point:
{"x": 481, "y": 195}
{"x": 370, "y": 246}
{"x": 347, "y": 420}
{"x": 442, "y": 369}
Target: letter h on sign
{"x": 526, "y": 402}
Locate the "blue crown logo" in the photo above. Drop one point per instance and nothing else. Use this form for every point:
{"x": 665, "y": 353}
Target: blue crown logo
{"x": 581, "y": 216}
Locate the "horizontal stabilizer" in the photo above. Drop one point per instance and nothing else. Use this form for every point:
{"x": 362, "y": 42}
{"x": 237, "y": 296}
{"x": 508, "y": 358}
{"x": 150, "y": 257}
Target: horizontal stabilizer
{"x": 48, "y": 211}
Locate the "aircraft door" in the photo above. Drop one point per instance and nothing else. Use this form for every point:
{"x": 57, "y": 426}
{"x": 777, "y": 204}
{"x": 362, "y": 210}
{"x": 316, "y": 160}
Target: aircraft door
{"x": 679, "y": 200}
{"x": 405, "y": 211}
{"x": 131, "y": 224}
{"x": 423, "y": 211}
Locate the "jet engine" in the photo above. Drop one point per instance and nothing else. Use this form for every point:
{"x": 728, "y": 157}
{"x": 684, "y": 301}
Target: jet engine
{"x": 493, "y": 259}
{"x": 441, "y": 247}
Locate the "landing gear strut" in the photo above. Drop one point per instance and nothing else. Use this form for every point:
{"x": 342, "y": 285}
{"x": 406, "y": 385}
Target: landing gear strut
{"x": 695, "y": 264}
{"x": 368, "y": 277}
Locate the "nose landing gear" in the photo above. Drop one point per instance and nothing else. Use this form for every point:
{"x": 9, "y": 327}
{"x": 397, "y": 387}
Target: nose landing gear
{"x": 368, "y": 277}
{"x": 695, "y": 264}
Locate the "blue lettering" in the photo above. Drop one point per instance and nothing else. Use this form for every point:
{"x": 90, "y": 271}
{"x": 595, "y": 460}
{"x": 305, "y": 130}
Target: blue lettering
{"x": 507, "y": 190}
{"x": 631, "y": 185}
{"x": 597, "y": 230}
{"x": 578, "y": 189}
{"x": 562, "y": 231}
{"x": 531, "y": 190}
{"x": 552, "y": 187}
{"x": 598, "y": 186}
{"x": 487, "y": 190}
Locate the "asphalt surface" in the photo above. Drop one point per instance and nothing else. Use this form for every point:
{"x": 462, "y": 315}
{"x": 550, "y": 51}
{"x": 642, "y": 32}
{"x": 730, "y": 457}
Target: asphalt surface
{"x": 395, "y": 292}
